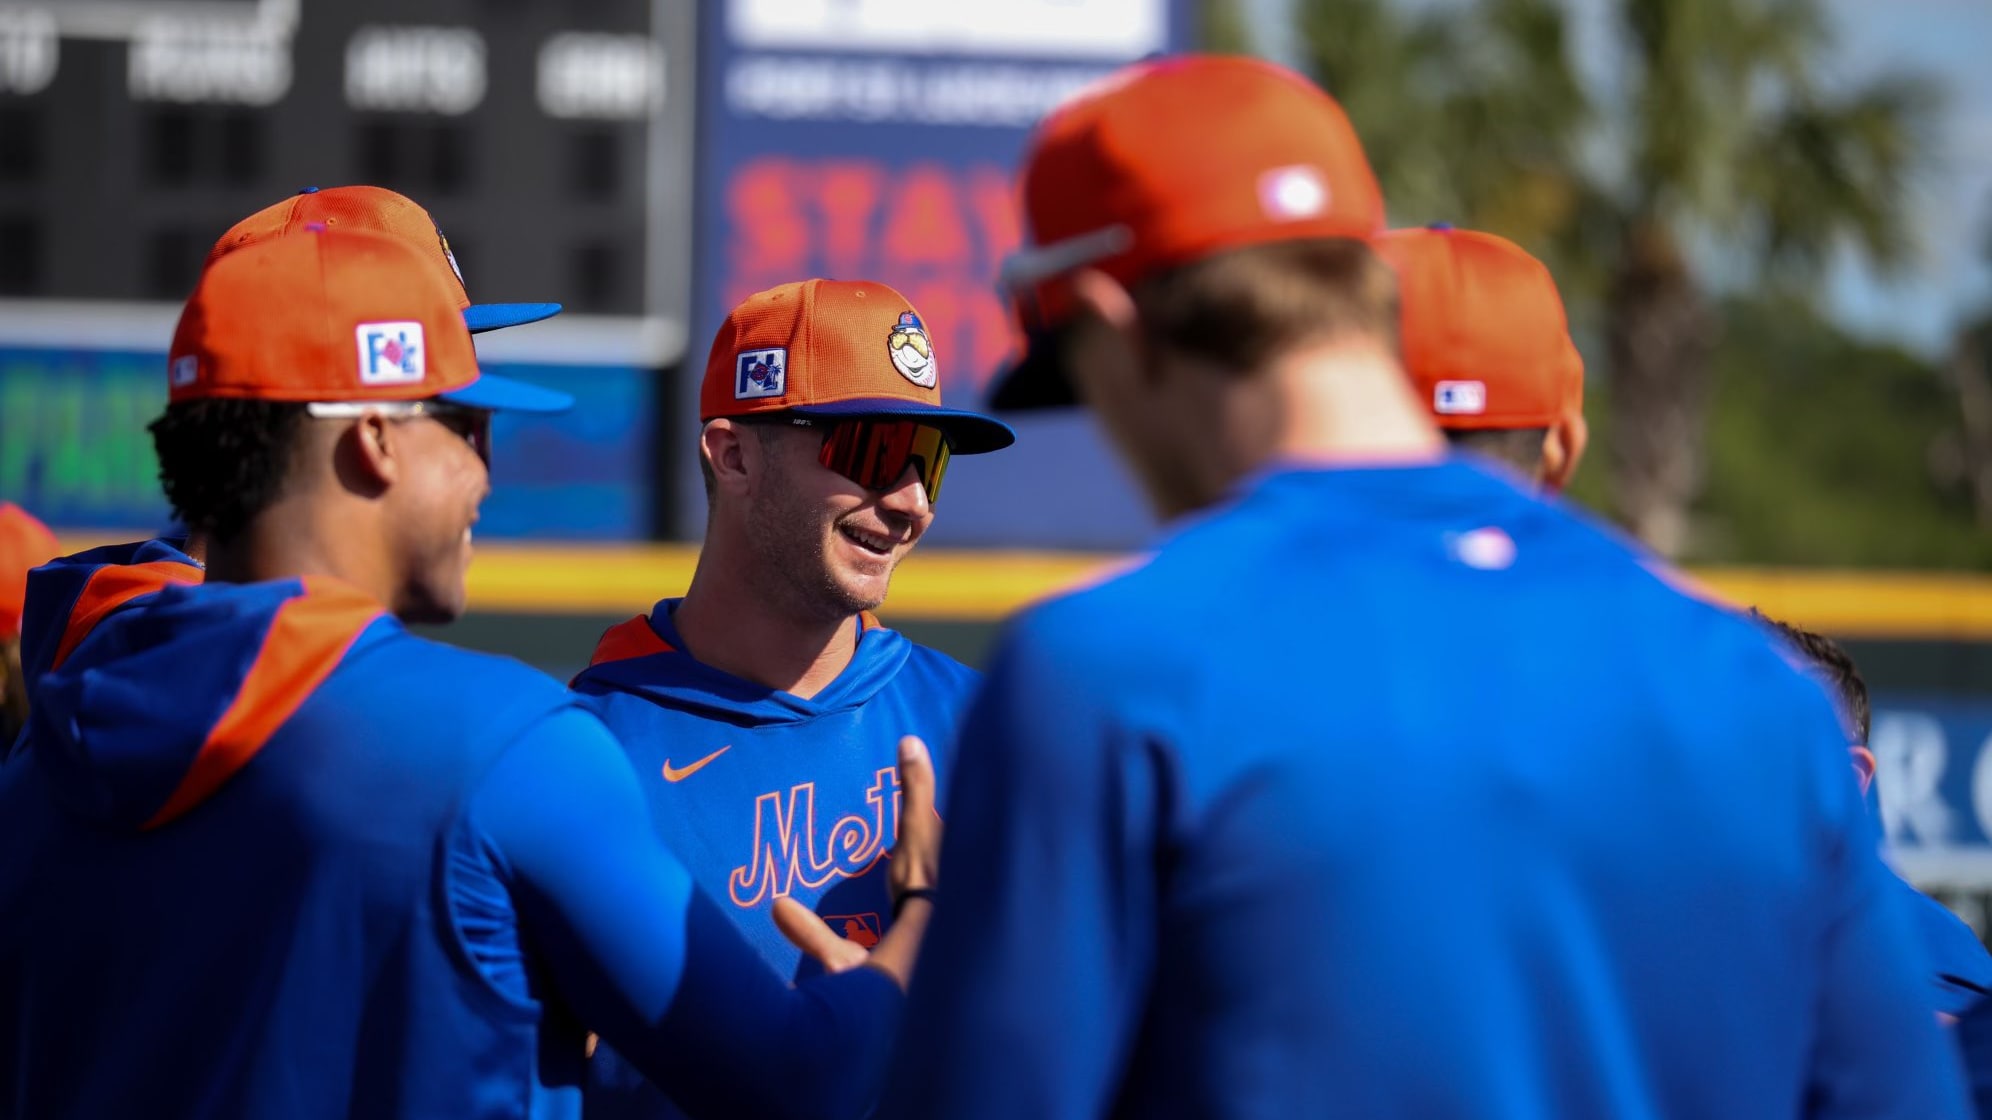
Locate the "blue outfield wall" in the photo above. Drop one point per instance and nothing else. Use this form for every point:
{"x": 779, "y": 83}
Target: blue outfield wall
{"x": 1933, "y": 775}
{"x": 75, "y": 451}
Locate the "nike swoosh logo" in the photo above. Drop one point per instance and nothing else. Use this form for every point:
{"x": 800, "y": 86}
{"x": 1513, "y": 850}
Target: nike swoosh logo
{"x": 671, "y": 775}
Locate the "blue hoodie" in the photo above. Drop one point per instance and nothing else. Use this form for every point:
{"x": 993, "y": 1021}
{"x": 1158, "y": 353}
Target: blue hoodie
{"x": 765, "y": 794}
{"x": 1962, "y": 969}
{"x": 1370, "y": 839}
{"x": 269, "y": 854}
{"x": 68, "y": 596}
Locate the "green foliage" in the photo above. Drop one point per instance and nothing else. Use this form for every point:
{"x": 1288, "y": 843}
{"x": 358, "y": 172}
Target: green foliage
{"x": 1722, "y": 124}
{"x": 1467, "y": 116}
{"x": 1820, "y": 450}
{"x": 1222, "y": 23}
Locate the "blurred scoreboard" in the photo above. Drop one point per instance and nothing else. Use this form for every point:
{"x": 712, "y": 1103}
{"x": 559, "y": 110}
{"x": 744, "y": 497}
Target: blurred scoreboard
{"x": 553, "y": 141}
{"x": 133, "y": 132}
{"x": 550, "y": 139}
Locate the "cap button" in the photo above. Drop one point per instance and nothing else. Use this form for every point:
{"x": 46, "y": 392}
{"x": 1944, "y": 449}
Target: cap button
{"x": 309, "y": 190}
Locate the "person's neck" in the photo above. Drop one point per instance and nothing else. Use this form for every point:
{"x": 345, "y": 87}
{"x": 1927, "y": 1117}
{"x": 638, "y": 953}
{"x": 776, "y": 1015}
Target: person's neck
{"x": 729, "y": 622}
{"x": 296, "y": 538}
{"x": 1345, "y": 403}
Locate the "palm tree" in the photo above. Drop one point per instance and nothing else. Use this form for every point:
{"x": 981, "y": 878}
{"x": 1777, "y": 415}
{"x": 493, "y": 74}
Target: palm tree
{"x": 1713, "y": 139}
{"x": 1969, "y": 375}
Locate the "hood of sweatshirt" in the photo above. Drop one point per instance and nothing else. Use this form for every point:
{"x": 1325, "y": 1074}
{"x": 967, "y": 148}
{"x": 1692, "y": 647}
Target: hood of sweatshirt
{"x": 178, "y": 690}
{"x": 646, "y": 657}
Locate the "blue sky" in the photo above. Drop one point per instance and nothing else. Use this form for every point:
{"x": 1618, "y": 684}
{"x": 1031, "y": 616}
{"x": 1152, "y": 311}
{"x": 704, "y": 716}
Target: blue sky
{"x": 1950, "y": 40}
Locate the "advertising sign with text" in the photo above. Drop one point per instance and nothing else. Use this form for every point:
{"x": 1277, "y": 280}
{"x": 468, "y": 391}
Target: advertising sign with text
{"x": 878, "y": 140}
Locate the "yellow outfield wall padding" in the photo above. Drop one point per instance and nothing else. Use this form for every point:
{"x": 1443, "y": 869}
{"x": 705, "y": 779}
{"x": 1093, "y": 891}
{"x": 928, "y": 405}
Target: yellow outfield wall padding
{"x": 971, "y": 586}
{"x": 983, "y": 586}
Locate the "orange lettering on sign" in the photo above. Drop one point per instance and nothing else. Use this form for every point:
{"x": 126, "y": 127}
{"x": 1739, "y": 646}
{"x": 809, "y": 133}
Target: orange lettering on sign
{"x": 771, "y": 235}
{"x": 936, "y": 233}
{"x": 923, "y": 220}
{"x": 847, "y": 196}
{"x": 994, "y": 204}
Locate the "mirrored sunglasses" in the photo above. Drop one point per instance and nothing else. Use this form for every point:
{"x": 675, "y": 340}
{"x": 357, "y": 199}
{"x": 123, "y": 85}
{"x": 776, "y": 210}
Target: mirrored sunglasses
{"x": 875, "y": 453}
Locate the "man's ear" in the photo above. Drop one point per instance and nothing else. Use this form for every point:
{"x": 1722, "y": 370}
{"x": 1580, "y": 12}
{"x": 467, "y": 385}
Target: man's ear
{"x": 367, "y": 455}
{"x": 727, "y": 449}
{"x": 1106, "y": 298}
{"x": 1562, "y": 448}
{"x": 1863, "y": 766}
{"x": 1104, "y": 340}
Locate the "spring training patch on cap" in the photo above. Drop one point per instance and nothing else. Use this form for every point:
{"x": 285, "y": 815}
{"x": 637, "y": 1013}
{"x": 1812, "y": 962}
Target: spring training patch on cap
{"x": 760, "y": 373}
{"x": 912, "y": 352}
{"x": 391, "y": 353}
{"x": 1459, "y": 398}
{"x": 450, "y": 256}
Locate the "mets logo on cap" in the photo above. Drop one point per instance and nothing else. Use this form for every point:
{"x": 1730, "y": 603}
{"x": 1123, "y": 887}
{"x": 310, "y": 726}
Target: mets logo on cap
{"x": 390, "y": 353}
{"x": 912, "y": 352}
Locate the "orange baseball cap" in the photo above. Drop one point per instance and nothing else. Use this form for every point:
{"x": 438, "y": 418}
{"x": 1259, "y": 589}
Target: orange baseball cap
{"x": 1167, "y": 162}
{"x": 836, "y": 348}
{"x": 382, "y": 211}
{"x": 333, "y": 315}
{"x": 25, "y": 544}
{"x": 1485, "y": 337}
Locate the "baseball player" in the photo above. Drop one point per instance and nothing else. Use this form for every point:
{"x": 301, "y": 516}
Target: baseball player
{"x": 763, "y": 709}
{"x": 1487, "y": 346}
{"x": 271, "y": 854}
{"x": 24, "y": 543}
{"x": 84, "y": 588}
{"x": 1962, "y": 972}
{"x": 1364, "y": 839}
{"x": 1488, "y": 349}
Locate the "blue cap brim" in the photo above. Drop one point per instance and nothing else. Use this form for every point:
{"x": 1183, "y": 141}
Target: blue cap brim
{"x": 969, "y": 433}
{"x": 502, "y": 394}
{"x": 480, "y": 317}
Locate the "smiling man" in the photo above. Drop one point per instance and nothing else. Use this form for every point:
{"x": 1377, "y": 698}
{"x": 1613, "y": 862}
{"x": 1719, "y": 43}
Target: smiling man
{"x": 275, "y": 855}
{"x": 763, "y": 709}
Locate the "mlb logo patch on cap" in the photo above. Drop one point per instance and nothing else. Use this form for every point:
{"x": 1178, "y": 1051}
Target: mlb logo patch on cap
{"x": 184, "y": 371}
{"x": 1459, "y": 398}
{"x": 390, "y": 353}
{"x": 1290, "y": 194}
{"x": 760, "y": 373}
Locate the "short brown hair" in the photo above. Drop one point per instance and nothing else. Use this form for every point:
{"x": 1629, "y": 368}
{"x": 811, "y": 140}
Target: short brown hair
{"x": 1520, "y": 448}
{"x": 1241, "y": 308}
{"x": 1830, "y": 663}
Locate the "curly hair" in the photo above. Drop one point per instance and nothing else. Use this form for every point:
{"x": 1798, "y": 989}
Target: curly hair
{"x": 222, "y": 462}
{"x": 1828, "y": 661}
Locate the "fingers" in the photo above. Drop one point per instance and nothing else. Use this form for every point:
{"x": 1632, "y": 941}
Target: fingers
{"x": 916, "y": 855}
{"x": 807, "y": 932}
{"x": 916, "y": 784}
